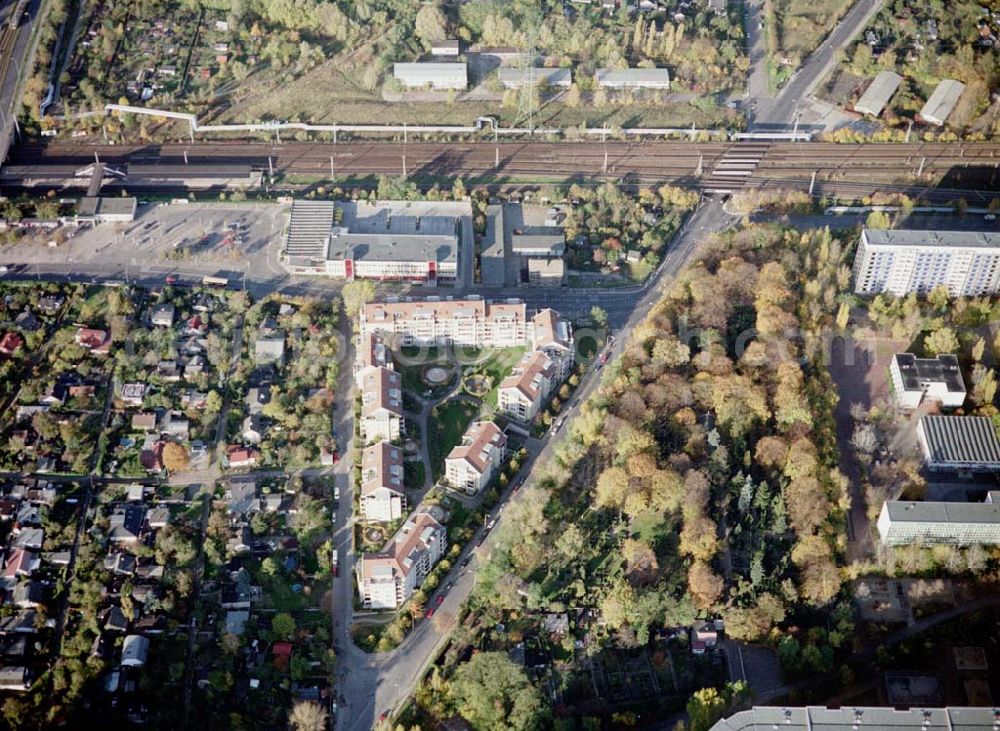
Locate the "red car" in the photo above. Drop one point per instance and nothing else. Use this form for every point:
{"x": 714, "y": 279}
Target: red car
{"x": 429, "y": 613}
{"x": 171, "y": 279}
{"x": 439, "y": 601}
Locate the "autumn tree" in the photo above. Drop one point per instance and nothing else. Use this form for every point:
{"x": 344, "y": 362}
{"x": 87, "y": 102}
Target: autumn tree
{"x": 942, "y": 340}
{"x": 706, "y": 586}
{"x": 308, "y": 716}
{"x": 175, "y": 457}
{"x": 492, "y": 693}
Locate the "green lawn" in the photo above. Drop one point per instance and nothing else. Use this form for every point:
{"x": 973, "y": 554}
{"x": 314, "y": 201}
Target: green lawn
{"x": 497, "y": 364}
{"x": 413, "y": 474}
{"x": 447, "y": 425}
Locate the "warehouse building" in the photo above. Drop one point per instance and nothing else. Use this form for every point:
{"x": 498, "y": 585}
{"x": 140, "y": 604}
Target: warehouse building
{"x": 93, "y": 209}
{"x": 935, "y": 379}
{"x": 967, "y": 443}
{"x": 878, "y": 93}
{"x": 432, "y": 74}
{"x": 514, "y": 78}
{"x": 902, "y": 522}
{"x": 387, "y": 240}
{"x": 818, "y": 718}
{"x": 942, "y": 102}
{"x": 633, "y": 78}
{"x": 898, "y": 262}
{"x": 538, "y": 241}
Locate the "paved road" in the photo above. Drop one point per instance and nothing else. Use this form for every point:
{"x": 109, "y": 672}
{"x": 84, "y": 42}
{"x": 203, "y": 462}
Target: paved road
{"x": 778, "y": 113}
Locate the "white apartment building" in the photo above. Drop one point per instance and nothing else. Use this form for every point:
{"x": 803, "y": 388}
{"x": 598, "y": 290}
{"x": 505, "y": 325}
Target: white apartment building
{"x": 898, "y": 262}
{"x": 469, "y": 322}
{"x": 373, "y": 352}
{"x": 382, "y": 495}
{"x": 381, "y": 405}
{"x": 551, "y": 334}
{"x": 903, "y": 522}
{"x": 388, "y": 578}
{"x": 936, "y": 379}
{"x": 471, "y": 465}
{"x": 959, "y": 443}
{"x": 523, "y": 393}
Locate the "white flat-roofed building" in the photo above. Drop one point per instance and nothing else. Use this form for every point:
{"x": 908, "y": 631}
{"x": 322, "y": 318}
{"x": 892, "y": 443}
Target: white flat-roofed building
{"x": 553, "y": 335}
{"x": 904, "y": 522}
{"x": 538, "y": 241}
{"x": 381, "y": 405}
{"x": 898, "y": 262}
{"x": 94, "y": 209}
{"x": 516, "y": 78}
{"x": 857, "y": 718}
{"x": 522, "y": 394}
{"x": 633, "y": 78}
{"x": 387, "y": 240}
{"x": 470, "y": 322}
{"x": 967, "y": 443}
{"x": 878, "y": 93}
{"x": 446, "y": 47}
{"x": 382, "y": 495}
{"x": 433, "y": 74}
{"x": 388, "y": 578}
{"x": 472, "y": 464}
{"x": 936, "y": 379}
{"x": 942, "y": 102}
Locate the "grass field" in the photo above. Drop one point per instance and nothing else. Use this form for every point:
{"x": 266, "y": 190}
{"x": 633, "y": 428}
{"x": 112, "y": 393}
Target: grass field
{"x": 803, "y": 24}
{"x": 447, "y": 425}
{"x": 496, "y": 364}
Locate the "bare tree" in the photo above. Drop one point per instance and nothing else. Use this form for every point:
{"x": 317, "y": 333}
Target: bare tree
{"x": 864, "y": 439}
{"x": 308, "y": 716}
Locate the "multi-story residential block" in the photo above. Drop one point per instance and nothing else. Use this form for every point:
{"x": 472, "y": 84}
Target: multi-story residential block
{"x": 936, "y": 379}
{"x": 381, "y": 405}
{"x": 382, "y": 496}
{"x": 386, "y": 240}
{"x": 472, "y": 464}
{"x": 967, "y": 443}
{"x": 470, "y": 322}
{"x": 854, "y": 718}
{"x": 553, "y": 335}
{"x": 903, "y": 522}
{"x": 373, "y": 352}
{"x": 898, "y": 262}
{"x": 388, "y": 578}
{"x": 522, "y": 394}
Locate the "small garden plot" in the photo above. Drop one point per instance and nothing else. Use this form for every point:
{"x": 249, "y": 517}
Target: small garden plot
{"x": 448, "y": 423}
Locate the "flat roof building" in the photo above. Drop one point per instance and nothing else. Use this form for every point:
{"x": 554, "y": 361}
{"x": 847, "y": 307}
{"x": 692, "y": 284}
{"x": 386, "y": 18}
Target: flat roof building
{"x": 446, "y": 47}
{"x": 436, "y": 75}
{"x": 515, "y": 78}
{"x": 898, "y": 262}
{"x": 959, "y": 443}
{"x": 546, "y": 272}
{"x": 942, "y": 102}
{"x": 387, "y": 240}
{"x": 937, "y": 379}
{"x": 471, "y": 322}
{"x": 538, "y": 241}
{"x": 878, "y": 93}
{"x": 633, "y": 78}
{"x": 904, "y": 522}
{"x": 93, "y": 209}
{"x": 819, "y": 718}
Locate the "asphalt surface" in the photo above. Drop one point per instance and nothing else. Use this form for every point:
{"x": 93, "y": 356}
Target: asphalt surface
{"x": 775, "y": 114}
{"x": 9, "y": 83}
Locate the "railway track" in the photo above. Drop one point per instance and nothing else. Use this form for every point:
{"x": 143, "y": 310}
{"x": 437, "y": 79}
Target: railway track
{"x": 8, "y": 37}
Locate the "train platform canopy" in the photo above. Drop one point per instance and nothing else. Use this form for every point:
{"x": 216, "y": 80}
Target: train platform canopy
{"x": 942, "y": 102}
{"x": 308, "y": 234}
{"x": 878, "y": 93}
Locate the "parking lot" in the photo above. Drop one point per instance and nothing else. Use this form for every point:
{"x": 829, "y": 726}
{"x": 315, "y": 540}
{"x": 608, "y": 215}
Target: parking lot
{"x": 182, "y": 237}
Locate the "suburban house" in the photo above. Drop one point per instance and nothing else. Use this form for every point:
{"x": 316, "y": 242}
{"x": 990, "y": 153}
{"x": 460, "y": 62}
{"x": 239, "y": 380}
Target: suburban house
{"x": 270, "y": 349}
{"x": 381, "y": 405}
{"x": 522, "y": 394}
{"x": 132, "y": 394}
{"x": 96, "y": 341}
{"x": 382, "y": 496}
{"x": 135, "y": 650}
{"x": 10, "y": 342}
{"x": 388, "y": 578}
{"x": 472, "y": 322}
{"x": 162, "y": 315}
{"x": 471, "y": 464}
{"x": 967, "y": 443}
{"x": 935, "y": 379}
{"x": 237, "y": 456}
